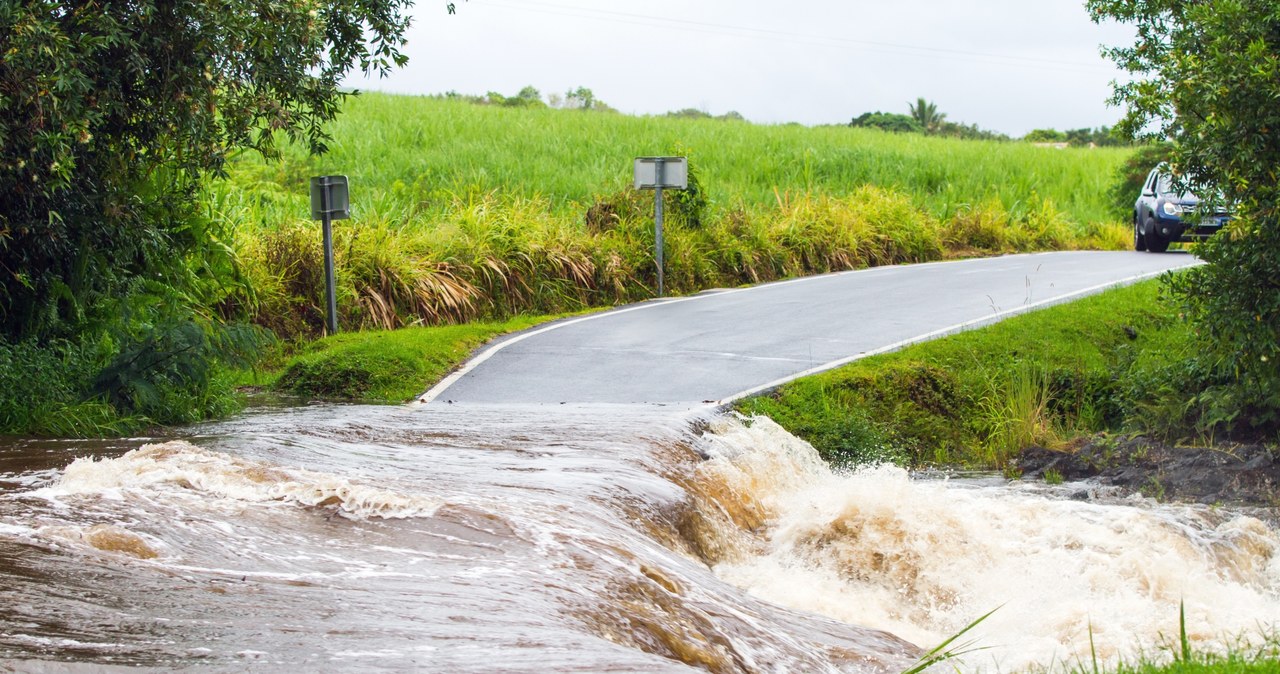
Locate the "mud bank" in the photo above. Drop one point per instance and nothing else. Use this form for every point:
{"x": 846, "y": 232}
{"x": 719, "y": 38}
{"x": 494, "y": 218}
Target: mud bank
{"x": 1245, "y": 475}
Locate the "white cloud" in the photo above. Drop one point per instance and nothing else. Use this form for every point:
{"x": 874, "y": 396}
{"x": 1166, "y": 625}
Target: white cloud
{"x": 1008, "y": 65}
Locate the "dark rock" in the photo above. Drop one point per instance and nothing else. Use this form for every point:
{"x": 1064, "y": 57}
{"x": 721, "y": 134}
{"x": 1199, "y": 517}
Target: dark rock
{"x": 1227, "y": 474}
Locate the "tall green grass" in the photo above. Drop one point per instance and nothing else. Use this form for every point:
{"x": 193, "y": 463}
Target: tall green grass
{"x": 405, "y": 154}
{"x": 464, "y": 212}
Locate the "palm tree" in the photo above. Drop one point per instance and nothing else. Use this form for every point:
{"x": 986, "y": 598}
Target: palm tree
{"x": 927, "y": 114}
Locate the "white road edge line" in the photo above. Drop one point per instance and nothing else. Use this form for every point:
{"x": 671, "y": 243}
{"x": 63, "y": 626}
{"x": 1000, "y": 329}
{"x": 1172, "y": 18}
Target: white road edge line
{"x": 434, "y": 392}
{"x": 440, "y": 387}
{"x": 959, "y": 327}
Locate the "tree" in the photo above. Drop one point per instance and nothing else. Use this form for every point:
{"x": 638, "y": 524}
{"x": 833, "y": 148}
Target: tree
{"x": 690, "y": 113}
{"x": 1045, "y": 136}
{"x": 888, "y": 121}
{"x": 530, "y": 94}
{"x": 581, "y": 98}
{"x": 1207, "y": 76}
{"x": 926, "y": 114}
{"x": 111, "y": 113}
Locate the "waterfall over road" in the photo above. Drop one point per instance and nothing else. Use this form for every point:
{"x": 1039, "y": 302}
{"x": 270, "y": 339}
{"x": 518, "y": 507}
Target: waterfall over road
{"x": 600, "y": 538}
{"x": 591, "y": 536}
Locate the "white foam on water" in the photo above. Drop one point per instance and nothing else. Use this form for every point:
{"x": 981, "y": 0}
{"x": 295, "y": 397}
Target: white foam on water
{"x": 15, "y": 530}
{"x": 922, "y": 559}
{"x": 183, "y": 465}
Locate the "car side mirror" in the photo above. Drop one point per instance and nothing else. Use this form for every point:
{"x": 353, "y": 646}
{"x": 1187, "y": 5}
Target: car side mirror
{"x": 1148, "y": 193}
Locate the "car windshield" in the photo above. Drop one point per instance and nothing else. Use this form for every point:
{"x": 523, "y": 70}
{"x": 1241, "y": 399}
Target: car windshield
{"x": 1165, "y": 186}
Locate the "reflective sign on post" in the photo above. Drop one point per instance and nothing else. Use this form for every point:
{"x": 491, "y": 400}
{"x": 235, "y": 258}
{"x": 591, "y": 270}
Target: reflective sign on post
{"x": 662, "y": 172}
{"x": 330, "y": 201}
{"x": 658, "y": 173}
{"x": 329, "y": 197}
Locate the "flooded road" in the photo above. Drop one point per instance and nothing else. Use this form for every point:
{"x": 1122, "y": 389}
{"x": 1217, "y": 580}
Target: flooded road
{"x": 588, "y": 538}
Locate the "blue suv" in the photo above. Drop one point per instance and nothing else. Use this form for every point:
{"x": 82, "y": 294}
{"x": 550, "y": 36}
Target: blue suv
{"x": 1162, "y": 216}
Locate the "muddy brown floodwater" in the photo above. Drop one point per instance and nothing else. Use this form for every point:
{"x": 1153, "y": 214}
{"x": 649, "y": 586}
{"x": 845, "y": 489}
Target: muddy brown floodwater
{"x": 560, "y": 538}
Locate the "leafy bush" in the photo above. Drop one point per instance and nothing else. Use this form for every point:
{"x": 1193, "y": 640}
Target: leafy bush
{"x": 114, "y": 112}
{"x": 888, "y": 121}
{"x": 168, "y": 373}
{"x": 1133, "y": 173}
{"x": 1204, "y": 77}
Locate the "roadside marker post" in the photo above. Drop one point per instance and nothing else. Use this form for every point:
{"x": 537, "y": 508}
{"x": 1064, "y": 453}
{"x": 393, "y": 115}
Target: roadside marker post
{"x": 657, "y": 174}
{"x": 330, "y": 200}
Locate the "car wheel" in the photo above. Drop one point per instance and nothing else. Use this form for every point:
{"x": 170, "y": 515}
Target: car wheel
{"x": 1139, "y": 241}
{"x": 1155, "y": 242}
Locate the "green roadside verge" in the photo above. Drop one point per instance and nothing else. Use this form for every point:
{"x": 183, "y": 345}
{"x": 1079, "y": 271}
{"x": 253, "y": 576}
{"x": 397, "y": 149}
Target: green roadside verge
{"x": 976, "y": 399}
{"x": 381, "y": 366}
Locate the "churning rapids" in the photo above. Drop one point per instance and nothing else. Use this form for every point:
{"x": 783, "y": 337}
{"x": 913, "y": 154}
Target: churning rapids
{"x": 547, "y": 539}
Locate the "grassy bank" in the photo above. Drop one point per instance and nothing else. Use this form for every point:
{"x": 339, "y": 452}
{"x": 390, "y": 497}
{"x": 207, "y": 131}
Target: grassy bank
{"x": 55, "y": 390}
{"x": 465, "y": 212}
{"x": 980, "y": 397}
{"x": 385, "y": 366}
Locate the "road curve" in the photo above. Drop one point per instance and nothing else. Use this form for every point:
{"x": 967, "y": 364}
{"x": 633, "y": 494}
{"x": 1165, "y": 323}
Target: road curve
{"x": 721, "y": 345}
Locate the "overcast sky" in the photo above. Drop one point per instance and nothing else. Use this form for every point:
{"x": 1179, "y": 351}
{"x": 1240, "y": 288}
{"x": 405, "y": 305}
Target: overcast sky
{"x": 1006, "y": 65}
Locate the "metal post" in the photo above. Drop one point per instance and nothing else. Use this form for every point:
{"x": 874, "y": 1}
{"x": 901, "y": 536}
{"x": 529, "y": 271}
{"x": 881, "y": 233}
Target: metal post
{"x": 331, "y": 297}
{"x": 657, "y": 224}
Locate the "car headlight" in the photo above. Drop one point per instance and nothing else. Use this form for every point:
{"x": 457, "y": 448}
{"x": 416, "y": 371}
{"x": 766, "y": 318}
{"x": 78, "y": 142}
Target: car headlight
{"x": 1171, "y": 208}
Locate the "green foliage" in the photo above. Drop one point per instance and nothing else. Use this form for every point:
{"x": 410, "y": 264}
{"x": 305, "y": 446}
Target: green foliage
{"x": 690, "y": 207}
{"x": 1086, "y": 137}
{"x": 583, "y": 98}
{"x": 1045, "y": 136}
{"x": 690, "y": 113}
{"x": 492, "y": 257}
{"x": 1133, "y": 173}
{"x": 1206, "y": 76}
{"x": 926, "y": 114}
{"x": 110, "y": 114}
{"x": 40, "y": 384}
{"x": 695, "y": 113}
{"x": 114, "y": 384}
{"x": 967, "y": 132}
{"x": 946, "y": 651}
{"x": 528, "y": 96}
{"x": 168, "y": 373}
{"x": 1099, "y": 137}
{"x": 887, "y": 121}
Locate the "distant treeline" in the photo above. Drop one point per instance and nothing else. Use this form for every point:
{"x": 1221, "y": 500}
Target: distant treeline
{"x": 925, "y": 118}
{"x": 581, "y": 98}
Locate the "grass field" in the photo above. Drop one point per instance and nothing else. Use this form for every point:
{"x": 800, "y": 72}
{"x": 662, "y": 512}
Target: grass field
{"x": 464, "y": 212}
{"x": 407, "y": 154}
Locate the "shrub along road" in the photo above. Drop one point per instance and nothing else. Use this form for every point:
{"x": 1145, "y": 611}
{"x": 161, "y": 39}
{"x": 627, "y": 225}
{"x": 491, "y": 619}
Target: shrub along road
{"x": 721, "y": 345}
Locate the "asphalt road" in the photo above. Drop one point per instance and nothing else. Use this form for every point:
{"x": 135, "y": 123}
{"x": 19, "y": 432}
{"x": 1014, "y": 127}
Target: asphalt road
{"x": 721, "y": 345}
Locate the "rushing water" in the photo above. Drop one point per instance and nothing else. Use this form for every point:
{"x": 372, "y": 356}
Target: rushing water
{"x": 449, "y": 538}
